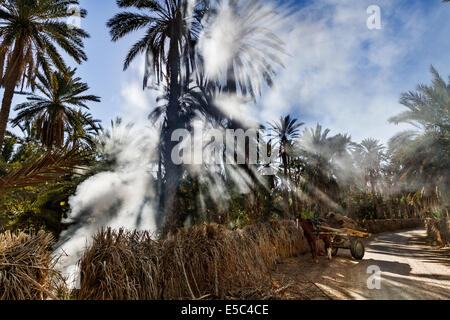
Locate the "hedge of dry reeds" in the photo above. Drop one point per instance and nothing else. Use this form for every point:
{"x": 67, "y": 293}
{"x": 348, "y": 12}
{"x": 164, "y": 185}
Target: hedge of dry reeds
{"x": 208, "y": 262}
{"x": 439, "y": 230}
{"x": 27, "y": 267}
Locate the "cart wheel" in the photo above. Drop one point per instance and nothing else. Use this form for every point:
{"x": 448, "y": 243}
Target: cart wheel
{"x": 357, "y": 249}
{"x": 334, "y": 252}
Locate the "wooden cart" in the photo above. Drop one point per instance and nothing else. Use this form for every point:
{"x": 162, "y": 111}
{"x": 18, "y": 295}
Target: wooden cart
{"x": 346, "y": 238}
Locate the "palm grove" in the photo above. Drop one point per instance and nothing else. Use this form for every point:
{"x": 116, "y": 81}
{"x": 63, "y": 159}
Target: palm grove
{"x": 317, "y": 172}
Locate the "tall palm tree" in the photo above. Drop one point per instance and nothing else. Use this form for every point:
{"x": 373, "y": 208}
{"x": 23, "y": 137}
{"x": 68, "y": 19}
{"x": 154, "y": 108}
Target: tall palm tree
{"x": 171, "y": 29}
{"x": 325, "y": 161}
{"x": 253, "y": 51}
{"x": 57, "y": 109}
{"x": 30, "y": 33}
{"x": 341, "y": 147}
{"x": 428, "y": 107}
{"x": 314, "y": 145}
{"x": 285, "y": 132}
{"x": 252, "y": 48}
{"x": 370, "y": 155}
{"x": 173, "y": 22}
{"x": 249, "y": 54}
{"x": 424, "y": 153}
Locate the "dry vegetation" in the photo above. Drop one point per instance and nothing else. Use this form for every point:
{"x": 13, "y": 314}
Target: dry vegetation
{"x": 438, "y": 230}
{"x": 27, "y": 267}
{"x": 202, "y": 262}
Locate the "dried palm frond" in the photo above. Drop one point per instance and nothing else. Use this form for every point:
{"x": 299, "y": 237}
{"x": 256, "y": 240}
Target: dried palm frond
{"x": 50, "y": 166}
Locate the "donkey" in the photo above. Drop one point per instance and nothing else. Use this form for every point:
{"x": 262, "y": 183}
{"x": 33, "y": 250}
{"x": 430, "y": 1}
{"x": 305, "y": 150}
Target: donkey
{"x": 311, "y": 229}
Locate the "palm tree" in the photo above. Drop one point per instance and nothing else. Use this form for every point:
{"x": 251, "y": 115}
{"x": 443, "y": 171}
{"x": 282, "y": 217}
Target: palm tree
{"x": 424, "y": 153}
{"x": 285, "y": 131}
{"x": 325, "y": 162}
{"x": 84, "y": 130}
{"x": 253, "y": 49}
{"x": 428, "y": 106}
{"x": 314, "y": 144}
{"x": 30, "y": 33}
{"x": 370, "y": 154}
{"x": 340, "y": 148}
{"x": 173, "y": 21}
{"x": 57, "y": 109}
{"x": 172, "y": 27}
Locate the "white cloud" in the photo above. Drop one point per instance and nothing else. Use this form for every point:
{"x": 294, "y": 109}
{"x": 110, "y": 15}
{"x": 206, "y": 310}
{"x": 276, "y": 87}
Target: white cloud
{"x": 339, "y": 72}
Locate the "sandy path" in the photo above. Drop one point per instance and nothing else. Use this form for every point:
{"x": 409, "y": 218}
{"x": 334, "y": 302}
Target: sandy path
{"x": 410, "y": 269}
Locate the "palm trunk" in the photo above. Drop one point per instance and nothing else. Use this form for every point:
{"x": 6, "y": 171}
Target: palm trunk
{"x": 231, "y": 80}
{"x": 285, "y": 188}
{"x": 160, "y": 192}
{"x": 374, "y": 196}
{"x": 173, "y": 172}
{"x": 10, "y": 81}
{"x": 251, "y": 201}
{"x": 173, "y": 219}
{"x": 5, "y": 111}
{"x": 294, "y": 203}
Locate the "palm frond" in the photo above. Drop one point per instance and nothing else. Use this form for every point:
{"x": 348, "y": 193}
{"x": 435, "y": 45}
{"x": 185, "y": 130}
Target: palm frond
{"x": 49, "y": 167}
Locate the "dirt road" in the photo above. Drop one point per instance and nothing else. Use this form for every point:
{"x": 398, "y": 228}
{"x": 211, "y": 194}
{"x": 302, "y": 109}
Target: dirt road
{"x": 410, "y": 269}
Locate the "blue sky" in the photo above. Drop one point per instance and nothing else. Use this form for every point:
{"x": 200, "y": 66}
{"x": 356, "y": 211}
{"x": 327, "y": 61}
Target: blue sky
{"x": 339, "y": 73}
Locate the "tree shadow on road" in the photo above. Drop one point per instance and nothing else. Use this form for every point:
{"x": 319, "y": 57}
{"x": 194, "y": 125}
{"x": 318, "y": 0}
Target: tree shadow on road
{"x": 413, "y": 247}
{"x": 403, "y": 269}
{"x": 413, "y": 288}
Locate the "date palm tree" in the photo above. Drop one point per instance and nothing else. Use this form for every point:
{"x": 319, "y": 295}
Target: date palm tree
{"x": 248, "y": 54}
{"x": 57, "y": 109}
{"x": 314, "y": 145}
{"x": 285, "y": 132}
{"x": 84, "y": 130}
{"x": 31, "y": 31}
{"x": 171, "y": 29}
{"x": 424, "y": 152}
{"x": 369, "y": 156}
{"x": 325, "y": 160}
{"x": 253, "y": 50}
